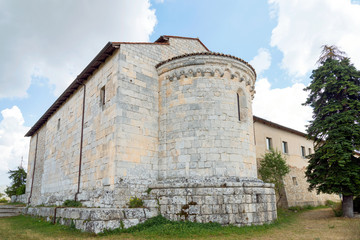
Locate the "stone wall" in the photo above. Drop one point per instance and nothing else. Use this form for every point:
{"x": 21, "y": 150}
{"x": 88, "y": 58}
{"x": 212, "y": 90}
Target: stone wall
{"x": 240, "y": 202}
{"x": 120, "y": 147}
{"x": 92, "y": 219}
{"x": 223, "y": 200}
{"x": 200, "y": 131}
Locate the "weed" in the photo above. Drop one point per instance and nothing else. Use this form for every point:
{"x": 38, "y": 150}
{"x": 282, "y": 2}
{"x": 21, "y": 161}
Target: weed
{"x": 72, "y": 224}
{"x": 136, "y": 202}
{"x": 72, "y": 203}
{"x": 148, "y": 190}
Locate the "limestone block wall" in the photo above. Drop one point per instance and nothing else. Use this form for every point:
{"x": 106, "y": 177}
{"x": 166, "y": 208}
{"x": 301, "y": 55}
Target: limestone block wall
{"x": 120, "y": 147}
{"x": 58, "y": 150}
{"x": 222, "y": 200}
{"x": 296, "y": 187}
{"x": 217, "y": 200}
{"x": 200, "y": 131}
{"x": 138, "y": 104}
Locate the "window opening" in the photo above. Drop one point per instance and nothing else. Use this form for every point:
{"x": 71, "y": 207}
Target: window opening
{"x": 294, "y": 181}
{"x": 58, "y": 124}
{"x": 285, "y": 147}
{"x": 303, "y": 151}
{"x": 238, "y": 105}
{"x": 102, "y": 96}
{"x": 268, "y": 143}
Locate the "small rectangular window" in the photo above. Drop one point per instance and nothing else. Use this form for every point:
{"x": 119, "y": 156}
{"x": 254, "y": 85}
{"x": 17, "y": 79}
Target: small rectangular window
{"x": 285, "y": 147}
{"x": 309, "y": 151}
{"x": 303, "y": 154}
{"x": 268, "y": 143}
{"x": 58, "y": 124}
{"x": 102, "y": 96}
{"x": 294, "y": 181}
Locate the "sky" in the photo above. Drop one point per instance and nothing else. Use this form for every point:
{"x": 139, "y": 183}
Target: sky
{"x": 45, "y": 44}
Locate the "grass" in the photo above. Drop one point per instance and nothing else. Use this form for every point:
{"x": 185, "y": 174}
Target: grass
{"x": 291, "y": 224}
{"x": 18, "y": 204}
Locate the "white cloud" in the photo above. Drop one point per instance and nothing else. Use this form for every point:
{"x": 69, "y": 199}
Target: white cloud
{"x": 13, "y": 144}
{"x": 57, "y": 39}
{"x": 304, "y": 26}
{"x": 282, "y": 105}
{"x": 261, "y": 61}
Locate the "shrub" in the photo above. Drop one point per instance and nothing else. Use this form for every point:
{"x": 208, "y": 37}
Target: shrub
{"x": 336, "y": 207}
{"x": 72, "y": 203}
{"x": 135, "y": 202}
{"x": 272, "y": 169}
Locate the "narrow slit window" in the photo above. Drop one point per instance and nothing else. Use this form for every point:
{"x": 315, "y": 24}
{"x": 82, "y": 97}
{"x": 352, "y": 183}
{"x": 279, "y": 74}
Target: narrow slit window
{"x": 102, "y": 96}
{"x": 285, "y": 147}
{"x": 58, "y": 124}
{"x": 238, "y": 105}
{"x": 268, "y": 143}
{"x": 309, "y": 151}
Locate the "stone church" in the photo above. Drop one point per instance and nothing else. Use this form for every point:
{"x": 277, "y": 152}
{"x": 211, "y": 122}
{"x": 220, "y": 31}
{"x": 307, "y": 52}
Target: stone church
{"x": 169, "y": 122}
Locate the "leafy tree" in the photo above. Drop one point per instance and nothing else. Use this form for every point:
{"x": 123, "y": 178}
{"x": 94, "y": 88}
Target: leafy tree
{"x": 18, "y": 185}
{"x": 272, "y": 169}
{"x": 335, "y": 129}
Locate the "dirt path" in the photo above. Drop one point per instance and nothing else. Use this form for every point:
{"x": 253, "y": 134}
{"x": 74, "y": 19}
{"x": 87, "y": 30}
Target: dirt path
{"x": 318, "y": 225}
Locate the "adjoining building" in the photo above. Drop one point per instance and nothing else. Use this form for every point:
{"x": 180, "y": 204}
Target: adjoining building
{"x": 295, "y": 147}
{"x": 169, "y": 122}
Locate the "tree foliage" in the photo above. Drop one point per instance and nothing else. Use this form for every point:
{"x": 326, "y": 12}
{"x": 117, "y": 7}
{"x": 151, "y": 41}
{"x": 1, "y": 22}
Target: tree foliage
{"x": 334, "y": 97}
{"x": 335, "y": 129}
{"x": 18, "y": 182}
{"x": 331, "y": 52}
{"x": 272, "y": 169}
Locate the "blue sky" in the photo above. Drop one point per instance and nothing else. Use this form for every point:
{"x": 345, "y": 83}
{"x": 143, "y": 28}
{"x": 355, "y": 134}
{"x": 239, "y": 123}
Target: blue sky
{"x": 45, "y": 44}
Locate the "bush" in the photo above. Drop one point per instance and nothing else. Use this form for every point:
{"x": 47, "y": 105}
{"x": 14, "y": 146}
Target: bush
{"x": 357, "y": 204}
{"x": 3, "y": 200}
{"x": 135, "y": 202}
{"x": 336, "y": 207}
{"x": 272, "y": 169}
{"x": 72, "y": 203}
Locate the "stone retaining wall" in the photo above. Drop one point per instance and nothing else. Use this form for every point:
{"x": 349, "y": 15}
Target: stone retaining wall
{"x": 239, "y": 203}
{"x": 93, "y": 219}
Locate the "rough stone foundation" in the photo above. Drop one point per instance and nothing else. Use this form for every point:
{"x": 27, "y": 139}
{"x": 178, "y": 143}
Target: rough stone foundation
{"x": 236, "y": 201}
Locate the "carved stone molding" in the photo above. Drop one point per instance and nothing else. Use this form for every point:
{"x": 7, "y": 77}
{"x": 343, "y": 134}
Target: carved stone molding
{"x": 194, "y": 66}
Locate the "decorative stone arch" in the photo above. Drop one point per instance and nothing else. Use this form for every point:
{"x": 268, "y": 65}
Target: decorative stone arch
{"x": 242, "y": 105}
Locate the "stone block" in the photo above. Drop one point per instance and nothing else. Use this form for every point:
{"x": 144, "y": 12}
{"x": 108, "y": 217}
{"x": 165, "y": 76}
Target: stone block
{"x": 135, "y": 213}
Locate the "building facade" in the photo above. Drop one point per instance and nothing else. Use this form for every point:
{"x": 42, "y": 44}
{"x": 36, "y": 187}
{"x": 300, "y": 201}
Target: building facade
{"x": 169, "y": 122}
{"x": 295, "y": 147}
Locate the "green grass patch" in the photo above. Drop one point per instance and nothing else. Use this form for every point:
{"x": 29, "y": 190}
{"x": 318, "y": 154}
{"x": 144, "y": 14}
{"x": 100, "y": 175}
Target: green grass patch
{"x": 163, "y": 228}
{"x": 72, "y": 203}
{"x": 19, "y": 226}
{"x": 19, "y": 204}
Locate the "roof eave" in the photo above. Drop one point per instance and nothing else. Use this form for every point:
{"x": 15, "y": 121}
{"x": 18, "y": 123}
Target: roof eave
{"x": 101, "y": 57}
